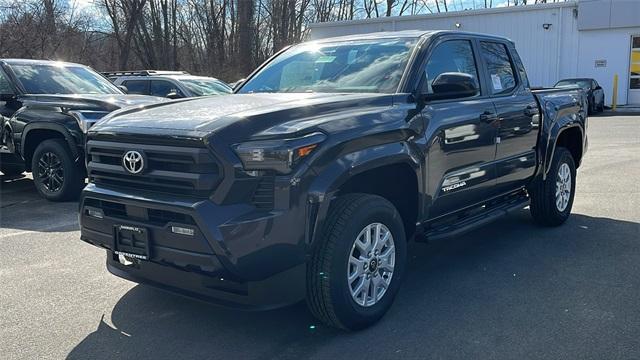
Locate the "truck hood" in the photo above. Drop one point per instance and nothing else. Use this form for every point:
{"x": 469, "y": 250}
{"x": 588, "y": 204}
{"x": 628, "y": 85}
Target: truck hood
{"x": 252, "y": 114}
{"x": 95, "y": 102}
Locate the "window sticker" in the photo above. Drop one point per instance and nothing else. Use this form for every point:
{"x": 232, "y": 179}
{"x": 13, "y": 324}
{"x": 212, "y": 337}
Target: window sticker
{"x": 497, "y": 84}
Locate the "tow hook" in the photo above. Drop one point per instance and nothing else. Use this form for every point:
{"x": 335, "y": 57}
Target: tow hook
{"x": 127, "y": 261}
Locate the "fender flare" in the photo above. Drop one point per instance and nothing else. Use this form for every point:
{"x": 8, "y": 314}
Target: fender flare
{"x": 71, "y": 141}
{"x": 328, "y": 182}
{"x": 554, "y": 135}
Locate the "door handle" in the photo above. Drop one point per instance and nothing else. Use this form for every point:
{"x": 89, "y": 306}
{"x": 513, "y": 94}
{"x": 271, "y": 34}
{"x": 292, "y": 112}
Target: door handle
{"x": 531, "y": 110}
{"x": 488, "y": 117}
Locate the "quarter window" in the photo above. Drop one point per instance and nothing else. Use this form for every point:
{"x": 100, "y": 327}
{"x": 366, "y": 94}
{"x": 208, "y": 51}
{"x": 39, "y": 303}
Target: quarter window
{"x": 501, "y": 72}
{"x": 453, "y": 56}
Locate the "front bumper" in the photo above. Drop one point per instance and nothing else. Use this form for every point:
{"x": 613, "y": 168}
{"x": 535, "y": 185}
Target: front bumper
{"x": 237, "y": 254}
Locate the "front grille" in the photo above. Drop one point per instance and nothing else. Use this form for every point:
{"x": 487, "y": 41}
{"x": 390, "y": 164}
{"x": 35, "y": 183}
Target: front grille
{"x": 150, "y": 216}
{"x": 168, "y": 169}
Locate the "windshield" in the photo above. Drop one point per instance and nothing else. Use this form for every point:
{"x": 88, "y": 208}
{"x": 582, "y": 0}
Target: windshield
{"x": 367, "y": 66}
{"x": 61, "y": 79}
{"x": 579, "y": 83}
{"x": 204, "y": 87}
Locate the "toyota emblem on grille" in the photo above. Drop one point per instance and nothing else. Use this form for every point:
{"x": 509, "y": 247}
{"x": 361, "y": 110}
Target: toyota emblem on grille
{"x": 133, "y": 162}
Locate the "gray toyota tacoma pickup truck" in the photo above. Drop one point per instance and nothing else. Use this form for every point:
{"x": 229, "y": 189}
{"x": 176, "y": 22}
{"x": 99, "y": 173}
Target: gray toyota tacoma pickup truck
{"x": 308, "y": 182}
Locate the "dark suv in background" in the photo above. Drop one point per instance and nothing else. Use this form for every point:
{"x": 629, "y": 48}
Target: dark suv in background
{"x": 46, "y": 108}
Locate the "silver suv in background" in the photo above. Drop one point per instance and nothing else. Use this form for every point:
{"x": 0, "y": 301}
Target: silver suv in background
{"x": 168, "y": 84}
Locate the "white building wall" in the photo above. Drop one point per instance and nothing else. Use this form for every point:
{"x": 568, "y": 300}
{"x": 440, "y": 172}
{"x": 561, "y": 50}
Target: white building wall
{"x": 614, "y": 46}
{"x": 539, "y": 48}
{"x": 562, "y": 51}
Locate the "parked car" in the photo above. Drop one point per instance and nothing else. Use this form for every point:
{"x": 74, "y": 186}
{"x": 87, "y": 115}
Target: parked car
{"x": 169, "y": 84}
{"x": 595, "y": 94}
{"x": 308, "y": 182}
{"x": 46, "y": 107}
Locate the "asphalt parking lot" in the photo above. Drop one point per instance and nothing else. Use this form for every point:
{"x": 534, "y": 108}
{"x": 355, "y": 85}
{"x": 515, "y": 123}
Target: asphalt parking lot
{"x": 510, "y": 290}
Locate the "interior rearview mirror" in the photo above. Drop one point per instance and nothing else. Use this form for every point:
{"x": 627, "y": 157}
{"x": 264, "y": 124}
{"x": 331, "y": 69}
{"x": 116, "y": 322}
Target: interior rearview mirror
{"x": 453, "y": 85}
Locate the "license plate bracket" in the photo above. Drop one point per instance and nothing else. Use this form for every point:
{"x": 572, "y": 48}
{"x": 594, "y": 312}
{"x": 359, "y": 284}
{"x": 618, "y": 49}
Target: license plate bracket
{"x": 131, "y": 241}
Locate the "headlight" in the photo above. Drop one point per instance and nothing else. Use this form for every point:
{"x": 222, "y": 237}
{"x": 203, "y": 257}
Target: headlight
{"x": 279, "y": 155}
{"x": 86, "y": 119}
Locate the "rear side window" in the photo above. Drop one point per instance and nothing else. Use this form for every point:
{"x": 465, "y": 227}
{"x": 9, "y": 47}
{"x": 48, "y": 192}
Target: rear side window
{"x": 140, "y": 87}
{"x": 453, "y": 56}
{"x": 163, "y": 88}
{"x": 501, "y": 71}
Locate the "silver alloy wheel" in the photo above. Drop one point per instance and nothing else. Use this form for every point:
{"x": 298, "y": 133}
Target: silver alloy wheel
{"x": 563, "y": 187}
{"x": 371, "y": 263}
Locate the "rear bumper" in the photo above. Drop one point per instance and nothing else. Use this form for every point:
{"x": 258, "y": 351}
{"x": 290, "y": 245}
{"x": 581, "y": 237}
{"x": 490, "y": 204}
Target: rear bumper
{"x": 237, "y": 255}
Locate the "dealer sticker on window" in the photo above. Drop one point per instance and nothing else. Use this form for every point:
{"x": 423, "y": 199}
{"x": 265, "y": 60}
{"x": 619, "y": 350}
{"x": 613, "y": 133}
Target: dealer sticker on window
{"x": 497, "y": 84}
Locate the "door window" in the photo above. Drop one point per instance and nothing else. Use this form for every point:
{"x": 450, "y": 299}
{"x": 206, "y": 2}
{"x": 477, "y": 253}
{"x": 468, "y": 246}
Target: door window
{"x": 501, "y": 71}
{"x": 163, "y": 88}
{"x": 454, "y": 56}
{"x": 140, "y": 87}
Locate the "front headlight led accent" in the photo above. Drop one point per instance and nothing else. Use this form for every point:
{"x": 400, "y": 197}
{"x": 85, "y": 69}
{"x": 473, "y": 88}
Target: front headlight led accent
{"x": 279, "y": 155}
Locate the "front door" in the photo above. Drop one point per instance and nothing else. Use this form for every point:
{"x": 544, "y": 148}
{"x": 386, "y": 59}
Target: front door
{"x": 634, "y": 72}
{"x": 461, "y": 132}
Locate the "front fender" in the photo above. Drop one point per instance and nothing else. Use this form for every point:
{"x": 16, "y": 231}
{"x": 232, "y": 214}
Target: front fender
{"x": 28, "y": 120}
{"x": 330, "y": 179}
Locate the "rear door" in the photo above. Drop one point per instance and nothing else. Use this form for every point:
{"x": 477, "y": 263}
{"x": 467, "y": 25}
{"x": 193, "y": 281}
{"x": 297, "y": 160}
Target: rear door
{"x": 517, "y": 111}
{"x": 461, "y": 132}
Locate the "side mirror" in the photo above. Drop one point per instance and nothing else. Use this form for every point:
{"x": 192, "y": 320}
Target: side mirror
{"x": 598, "y": 87}
{"x": 123, "y": 88}
{"x": 453, "y": 85}
{"x": 173, "y": 95}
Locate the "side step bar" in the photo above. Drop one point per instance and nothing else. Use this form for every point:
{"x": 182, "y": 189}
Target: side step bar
{"x": 472, "y": 222}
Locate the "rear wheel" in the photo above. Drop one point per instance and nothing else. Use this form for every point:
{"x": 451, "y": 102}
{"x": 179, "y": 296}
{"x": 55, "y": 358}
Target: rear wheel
{"x": 357, "y": 266}
{"x": 56, "y": 176}
{"x": 552, "y": 199}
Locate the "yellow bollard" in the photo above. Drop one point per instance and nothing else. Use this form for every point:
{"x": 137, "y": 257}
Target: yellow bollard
{"x": 614, "y": 98}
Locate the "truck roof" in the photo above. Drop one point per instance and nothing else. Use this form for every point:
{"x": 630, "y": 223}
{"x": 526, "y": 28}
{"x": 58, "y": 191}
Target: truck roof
{"x": 37, "y": 62}
{"x": 407, "y": 34}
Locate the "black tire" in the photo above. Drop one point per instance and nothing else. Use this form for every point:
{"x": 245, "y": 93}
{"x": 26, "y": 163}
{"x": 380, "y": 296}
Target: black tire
{"x": 328, "y": 294}
{"x": 11, "y": 169}
{"x": 543, "y": 206}
{"x": 69, "y": 184}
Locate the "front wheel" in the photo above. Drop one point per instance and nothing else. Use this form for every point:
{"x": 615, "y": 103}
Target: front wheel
{"x": 552, "y": 199}
{"x": 358, "y": 263}
{"x": 56, "y": 176}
